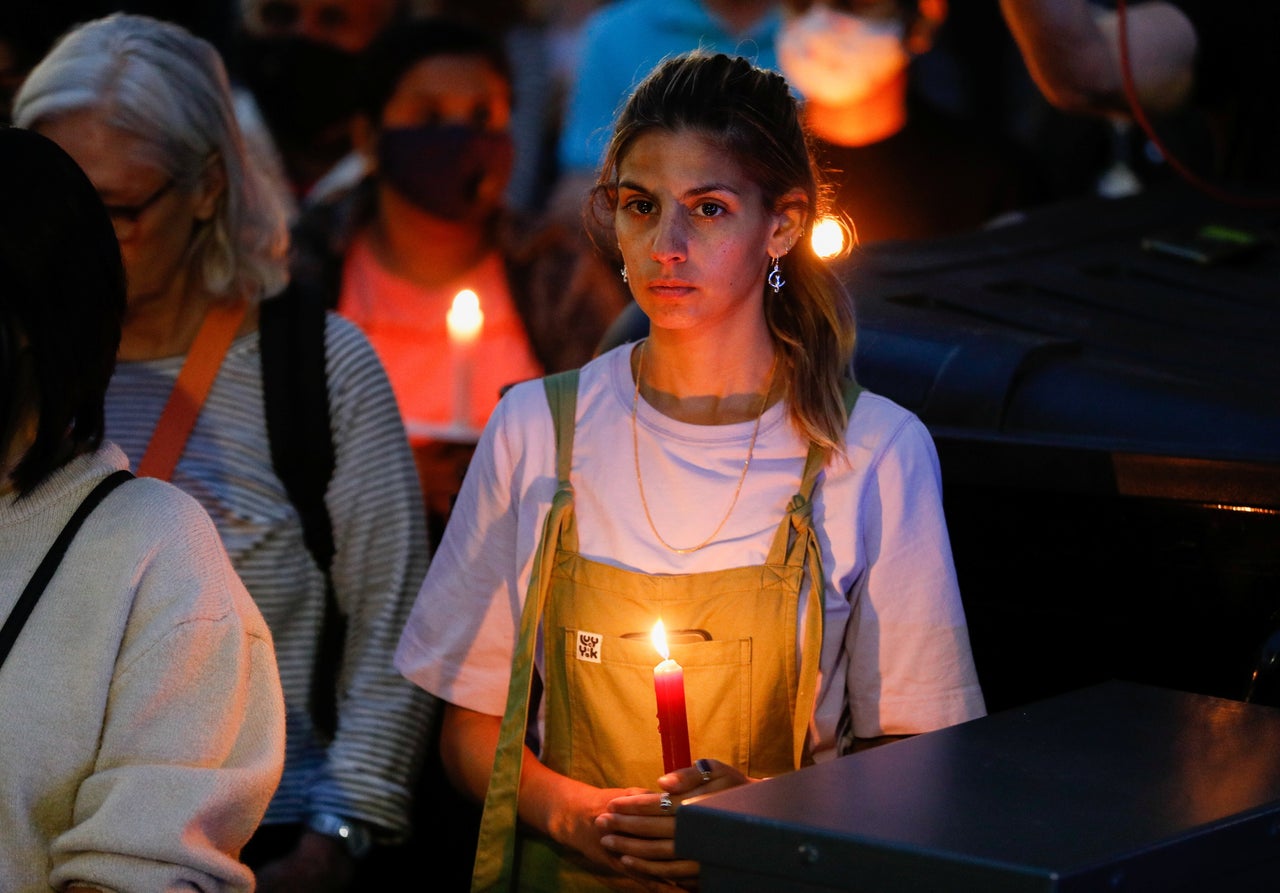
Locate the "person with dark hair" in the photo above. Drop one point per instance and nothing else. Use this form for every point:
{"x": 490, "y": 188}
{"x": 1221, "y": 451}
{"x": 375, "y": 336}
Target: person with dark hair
{"x": 725, "y": 476}
{"x": 145, "y": 108}
{"x": 298, "y": 62}
{"x": 430, "y": 221}
{"x": 143, "y": 711}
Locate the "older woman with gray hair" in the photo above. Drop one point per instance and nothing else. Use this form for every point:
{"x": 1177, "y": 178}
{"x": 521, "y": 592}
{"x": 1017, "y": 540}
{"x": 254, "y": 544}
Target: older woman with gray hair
{"x": 144, "y": 107}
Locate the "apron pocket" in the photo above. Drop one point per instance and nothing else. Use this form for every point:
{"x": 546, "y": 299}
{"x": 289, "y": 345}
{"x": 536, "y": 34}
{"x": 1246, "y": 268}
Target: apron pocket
{"x": 612, "y": 714}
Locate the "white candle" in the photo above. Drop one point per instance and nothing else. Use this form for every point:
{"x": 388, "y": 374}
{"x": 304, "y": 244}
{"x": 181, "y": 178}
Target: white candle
{"x": 465, "y": 320}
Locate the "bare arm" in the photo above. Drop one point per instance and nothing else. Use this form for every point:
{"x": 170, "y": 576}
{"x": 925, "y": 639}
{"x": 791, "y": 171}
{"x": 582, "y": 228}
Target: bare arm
{"x": 1073, "y": 53}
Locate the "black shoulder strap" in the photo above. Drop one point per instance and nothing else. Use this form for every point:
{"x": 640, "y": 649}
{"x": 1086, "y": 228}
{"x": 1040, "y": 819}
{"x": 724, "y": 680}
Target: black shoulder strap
{"x": 295, "y": 388}
{"x": 49, "y": 566}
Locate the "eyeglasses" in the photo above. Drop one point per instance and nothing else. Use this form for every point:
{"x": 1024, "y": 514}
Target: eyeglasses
{"x": 125, "y": 217}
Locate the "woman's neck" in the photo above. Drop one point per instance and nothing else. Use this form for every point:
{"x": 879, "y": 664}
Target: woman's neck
{"x": 423, "y": 249}
{"x": 155, "y": 328}
{"x": 161, "y": 327}
{"x": 691, "y": 379}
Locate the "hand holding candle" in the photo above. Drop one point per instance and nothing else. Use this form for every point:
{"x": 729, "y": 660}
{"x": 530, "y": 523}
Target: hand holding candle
{"x": 465, "y": 320}
{"x": 673, "y": 723}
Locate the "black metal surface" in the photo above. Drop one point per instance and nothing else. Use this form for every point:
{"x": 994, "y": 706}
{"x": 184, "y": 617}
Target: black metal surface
{"x": 1114, "y": 787}
{"x": 1108, "y": 421}
{"x": 1062, "y": 328}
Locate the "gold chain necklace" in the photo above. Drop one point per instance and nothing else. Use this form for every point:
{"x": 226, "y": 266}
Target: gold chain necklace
{"x": 635, "y": 447}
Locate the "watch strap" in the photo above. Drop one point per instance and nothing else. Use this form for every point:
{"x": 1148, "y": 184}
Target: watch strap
{"x": 354, "y": 835}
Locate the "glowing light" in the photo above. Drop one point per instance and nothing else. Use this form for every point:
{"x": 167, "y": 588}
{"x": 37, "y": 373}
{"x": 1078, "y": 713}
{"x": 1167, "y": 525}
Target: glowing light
{"x": 465, "y": 319}
{"x": 828, "y": 238}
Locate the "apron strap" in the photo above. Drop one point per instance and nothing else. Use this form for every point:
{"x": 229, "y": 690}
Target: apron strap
{"x": 218, "y": 329}
{"x": 562, "y": 396}
{"x": 797, "y": 530}
{"x": 781, "y": 551}
{"x": 495, "y": 849}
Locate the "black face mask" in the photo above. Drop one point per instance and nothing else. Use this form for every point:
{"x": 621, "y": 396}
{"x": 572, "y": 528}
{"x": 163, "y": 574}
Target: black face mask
{"x": 441, "y": 169}
{"x": 303, "y": 88}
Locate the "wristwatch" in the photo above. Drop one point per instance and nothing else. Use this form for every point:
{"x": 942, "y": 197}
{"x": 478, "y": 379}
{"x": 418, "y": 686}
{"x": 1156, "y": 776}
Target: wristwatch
{"x": 355, "y": 836}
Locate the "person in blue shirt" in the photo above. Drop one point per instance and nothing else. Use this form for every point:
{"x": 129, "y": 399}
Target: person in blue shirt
{"x": 621, "y": 43}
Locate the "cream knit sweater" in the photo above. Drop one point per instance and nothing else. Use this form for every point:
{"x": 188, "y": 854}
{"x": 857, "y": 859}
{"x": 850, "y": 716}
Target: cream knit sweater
{"x": 141, "y": 718}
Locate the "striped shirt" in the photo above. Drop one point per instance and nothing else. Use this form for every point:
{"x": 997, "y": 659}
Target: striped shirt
{"x": 369, "y": 769}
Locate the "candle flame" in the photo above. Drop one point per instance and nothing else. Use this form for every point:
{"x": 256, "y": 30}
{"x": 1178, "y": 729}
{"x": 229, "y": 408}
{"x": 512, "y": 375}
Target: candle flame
{"x": 660, "y": 640}
{"x": 465, "y": 318}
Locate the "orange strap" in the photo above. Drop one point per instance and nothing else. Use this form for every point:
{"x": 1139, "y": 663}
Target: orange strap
{"x": 217, "y": 331}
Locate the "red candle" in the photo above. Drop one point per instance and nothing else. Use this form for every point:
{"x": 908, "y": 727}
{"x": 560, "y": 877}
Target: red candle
{"x": 673, "y": 723}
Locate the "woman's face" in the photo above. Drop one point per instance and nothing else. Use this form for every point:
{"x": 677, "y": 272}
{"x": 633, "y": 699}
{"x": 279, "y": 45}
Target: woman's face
{"x": 450, "y": 89}
{"x": 155, "y": 219}
{"x": 445, "y": 137}
{"x": 694, "y": 232}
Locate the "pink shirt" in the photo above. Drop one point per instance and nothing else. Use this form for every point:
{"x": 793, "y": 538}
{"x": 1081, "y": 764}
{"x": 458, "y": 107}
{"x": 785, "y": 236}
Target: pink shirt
{"x": 407, "y": 326}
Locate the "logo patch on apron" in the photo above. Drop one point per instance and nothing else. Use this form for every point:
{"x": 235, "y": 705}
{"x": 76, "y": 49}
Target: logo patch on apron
{"x": 589, "y": 646}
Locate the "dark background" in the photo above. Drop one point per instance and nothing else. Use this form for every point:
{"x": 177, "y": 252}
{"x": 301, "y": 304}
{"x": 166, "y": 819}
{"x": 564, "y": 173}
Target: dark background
{"x": 1108, "y": 426}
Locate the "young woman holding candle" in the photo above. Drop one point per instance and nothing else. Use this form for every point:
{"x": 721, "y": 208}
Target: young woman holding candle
{"x": 723, "y": 476}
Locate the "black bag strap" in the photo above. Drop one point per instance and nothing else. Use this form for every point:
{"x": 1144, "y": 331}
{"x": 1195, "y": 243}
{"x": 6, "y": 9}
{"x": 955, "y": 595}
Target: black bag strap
{"x": 295, "y": 390}
{"x": 49, "y": 566}
{"x": 295, "y": 387}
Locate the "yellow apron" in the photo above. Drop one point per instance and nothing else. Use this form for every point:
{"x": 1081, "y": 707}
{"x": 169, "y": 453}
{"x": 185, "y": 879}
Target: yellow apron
{"x": 748, "y": 697}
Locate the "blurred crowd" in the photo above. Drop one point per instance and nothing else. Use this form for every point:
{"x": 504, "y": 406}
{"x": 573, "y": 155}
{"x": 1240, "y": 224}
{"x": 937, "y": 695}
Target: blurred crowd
{"x": 296, "y": 64}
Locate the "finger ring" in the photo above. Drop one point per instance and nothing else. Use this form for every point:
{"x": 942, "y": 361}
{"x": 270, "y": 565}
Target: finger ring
{"x": 664, "y": 803}
{"x": 704, "y": 767}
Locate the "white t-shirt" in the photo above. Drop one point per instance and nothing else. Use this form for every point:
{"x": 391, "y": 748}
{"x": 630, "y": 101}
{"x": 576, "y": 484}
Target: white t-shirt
{"x": 895, "y": 645}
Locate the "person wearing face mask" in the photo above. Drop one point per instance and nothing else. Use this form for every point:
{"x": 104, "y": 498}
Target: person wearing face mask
{"x": 428, "y": 221}
{"x": 901, "y": 167}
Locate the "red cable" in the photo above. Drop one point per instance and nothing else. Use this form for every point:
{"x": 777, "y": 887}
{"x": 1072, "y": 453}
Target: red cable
{"x": 1135, "y": 107}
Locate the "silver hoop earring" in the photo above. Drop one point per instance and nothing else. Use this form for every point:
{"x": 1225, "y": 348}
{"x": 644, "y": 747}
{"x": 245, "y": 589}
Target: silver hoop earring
{"x": 624, "y": 273}
{"x": 775, "y": 276}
